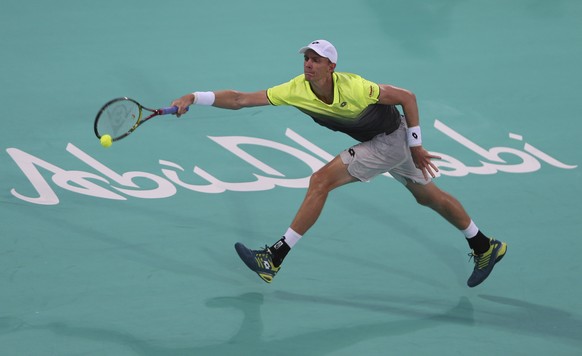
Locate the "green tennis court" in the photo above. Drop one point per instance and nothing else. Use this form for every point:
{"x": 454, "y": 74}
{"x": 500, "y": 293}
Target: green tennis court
{"x": 129, "y": 250}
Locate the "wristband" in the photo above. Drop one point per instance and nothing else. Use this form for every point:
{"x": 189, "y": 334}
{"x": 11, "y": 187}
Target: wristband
{"x": 204, "y": 98}
{"x": 413, "y": 136}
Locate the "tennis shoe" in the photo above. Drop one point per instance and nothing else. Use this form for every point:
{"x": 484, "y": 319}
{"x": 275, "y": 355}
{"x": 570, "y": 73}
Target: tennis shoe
{"x": 484, "y": 262}
{"x": 259, "y": 261}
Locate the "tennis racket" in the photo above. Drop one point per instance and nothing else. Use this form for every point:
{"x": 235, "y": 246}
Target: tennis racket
{"x": 120, "y": 117}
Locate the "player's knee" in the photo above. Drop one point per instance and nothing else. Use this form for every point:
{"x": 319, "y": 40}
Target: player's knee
{"x": 428, "y": 195}
{"x": 319, "y": 181}
{"x": 428, "y": 199}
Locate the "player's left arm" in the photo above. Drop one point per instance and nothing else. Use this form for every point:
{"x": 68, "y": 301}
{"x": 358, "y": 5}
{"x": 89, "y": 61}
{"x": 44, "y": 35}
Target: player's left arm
{"x": 391, "y": 95}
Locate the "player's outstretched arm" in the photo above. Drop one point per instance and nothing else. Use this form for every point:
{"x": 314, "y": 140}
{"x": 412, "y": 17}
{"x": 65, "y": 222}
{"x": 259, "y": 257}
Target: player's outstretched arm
{"x": 226, "y": 99}
{"x": 234, "y": 100}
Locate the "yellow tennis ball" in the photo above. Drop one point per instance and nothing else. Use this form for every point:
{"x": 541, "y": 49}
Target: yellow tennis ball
{"x": 106, "y": 141}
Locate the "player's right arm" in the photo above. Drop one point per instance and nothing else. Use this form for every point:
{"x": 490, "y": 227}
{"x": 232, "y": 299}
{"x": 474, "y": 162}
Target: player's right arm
{"x": 234, "y": 100}
{"x": 226, "y": 99}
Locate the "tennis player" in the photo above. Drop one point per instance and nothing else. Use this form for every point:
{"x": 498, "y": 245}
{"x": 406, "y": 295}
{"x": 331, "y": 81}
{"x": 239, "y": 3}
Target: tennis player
{"x": 389, "y": 141}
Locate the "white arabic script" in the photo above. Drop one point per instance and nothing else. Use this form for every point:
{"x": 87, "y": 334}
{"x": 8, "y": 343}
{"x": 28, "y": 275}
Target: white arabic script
{"x": 119, "y": 186}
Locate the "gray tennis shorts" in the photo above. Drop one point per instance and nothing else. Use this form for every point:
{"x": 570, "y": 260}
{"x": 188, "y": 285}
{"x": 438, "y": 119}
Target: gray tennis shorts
{"x": 384, "y": 153}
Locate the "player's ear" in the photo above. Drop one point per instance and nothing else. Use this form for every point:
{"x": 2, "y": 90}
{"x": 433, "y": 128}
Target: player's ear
{"x": 332, "y": 66}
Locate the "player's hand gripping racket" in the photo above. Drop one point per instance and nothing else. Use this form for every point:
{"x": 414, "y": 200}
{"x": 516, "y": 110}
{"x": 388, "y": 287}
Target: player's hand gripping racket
{"x": 120, "y": 117}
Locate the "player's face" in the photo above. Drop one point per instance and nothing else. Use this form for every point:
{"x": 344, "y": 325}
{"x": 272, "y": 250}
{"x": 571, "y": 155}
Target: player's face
{"x": 316, "y": 67}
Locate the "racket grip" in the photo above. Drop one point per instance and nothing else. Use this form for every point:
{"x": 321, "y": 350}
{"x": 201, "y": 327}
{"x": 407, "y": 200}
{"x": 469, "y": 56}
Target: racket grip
{"x": 170, "y": 110}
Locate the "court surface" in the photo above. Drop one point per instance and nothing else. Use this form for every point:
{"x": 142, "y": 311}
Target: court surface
{"x": 129, "y": 250}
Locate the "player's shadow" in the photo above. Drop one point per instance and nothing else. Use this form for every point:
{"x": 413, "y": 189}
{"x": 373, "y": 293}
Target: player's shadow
{"x": 404, "y": 318}
{"x": 250, "y": 337}
{"x": 542, "y": 320}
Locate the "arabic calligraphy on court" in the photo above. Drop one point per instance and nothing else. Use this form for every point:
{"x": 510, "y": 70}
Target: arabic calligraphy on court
{"x": 105, "y": 183}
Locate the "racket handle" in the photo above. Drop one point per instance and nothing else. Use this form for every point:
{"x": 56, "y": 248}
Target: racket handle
{"x": 170, "y": 110}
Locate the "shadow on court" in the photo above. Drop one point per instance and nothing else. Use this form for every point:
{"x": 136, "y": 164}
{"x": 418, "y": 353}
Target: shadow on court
{"x": 542, "y": 321}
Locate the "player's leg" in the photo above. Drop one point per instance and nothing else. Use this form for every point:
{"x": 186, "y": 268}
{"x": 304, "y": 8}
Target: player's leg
{"x": 266, "y": 262}
{"x": 440, "y": 201}
{"x": 486, "y": 251}
{"x": 332, "y": 175}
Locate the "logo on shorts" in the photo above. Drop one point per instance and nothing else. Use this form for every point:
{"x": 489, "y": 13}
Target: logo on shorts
{"x": 352, "y": 152}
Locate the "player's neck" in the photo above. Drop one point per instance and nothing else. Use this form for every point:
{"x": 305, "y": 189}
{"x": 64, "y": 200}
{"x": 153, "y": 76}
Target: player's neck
{"x": 323, "y": 89}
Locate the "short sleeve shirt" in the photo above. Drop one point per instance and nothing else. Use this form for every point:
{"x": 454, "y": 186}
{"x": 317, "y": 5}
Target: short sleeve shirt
{"x": 354, "y": 110}
{"x": 352, "y": 95}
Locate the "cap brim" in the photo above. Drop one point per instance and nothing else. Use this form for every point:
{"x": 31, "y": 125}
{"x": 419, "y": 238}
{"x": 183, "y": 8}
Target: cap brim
{"x": 304, "y": 49}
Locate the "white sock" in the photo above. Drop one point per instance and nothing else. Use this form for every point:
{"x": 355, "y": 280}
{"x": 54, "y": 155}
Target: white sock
{"x": 291, "y": 237}
{"x": 471, "y": 231}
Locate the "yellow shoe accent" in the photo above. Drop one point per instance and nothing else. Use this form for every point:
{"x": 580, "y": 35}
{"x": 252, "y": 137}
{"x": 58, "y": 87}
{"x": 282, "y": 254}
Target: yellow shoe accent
{"x": 484, "y": 262}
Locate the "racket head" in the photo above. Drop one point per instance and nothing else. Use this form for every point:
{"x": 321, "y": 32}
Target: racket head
{"x": 118, "y": 118}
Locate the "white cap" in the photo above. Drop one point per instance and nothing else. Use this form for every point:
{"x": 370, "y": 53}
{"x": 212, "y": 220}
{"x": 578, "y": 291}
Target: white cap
{"x": 323, "y": 48}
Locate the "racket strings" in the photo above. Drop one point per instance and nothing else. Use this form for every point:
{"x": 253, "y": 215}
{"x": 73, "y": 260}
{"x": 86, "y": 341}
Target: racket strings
{"x": 118, "y": 118}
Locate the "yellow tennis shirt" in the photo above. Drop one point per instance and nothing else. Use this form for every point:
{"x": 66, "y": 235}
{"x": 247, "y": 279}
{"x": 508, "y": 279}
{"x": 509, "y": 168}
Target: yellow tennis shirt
{"x": 354, "y": 111}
